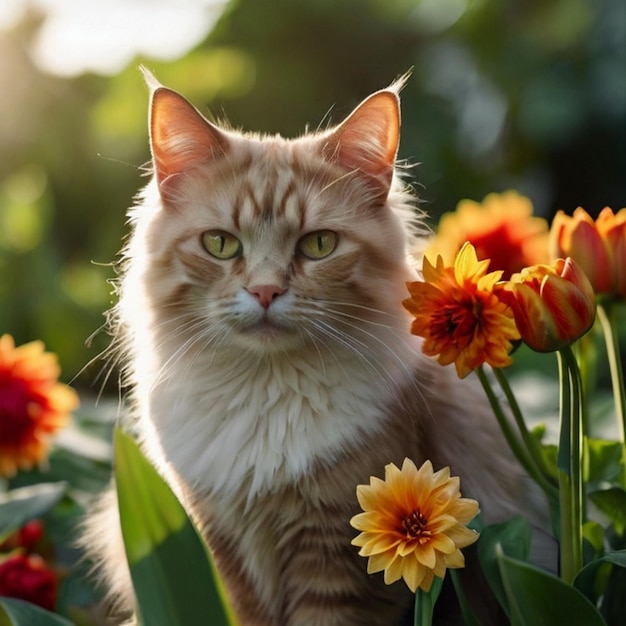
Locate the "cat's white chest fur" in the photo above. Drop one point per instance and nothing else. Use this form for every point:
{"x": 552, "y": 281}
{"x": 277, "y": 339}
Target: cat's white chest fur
{"x": 261, "y": 423}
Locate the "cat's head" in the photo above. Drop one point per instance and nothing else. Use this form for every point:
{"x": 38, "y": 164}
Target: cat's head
{"x": 265, "y": 243}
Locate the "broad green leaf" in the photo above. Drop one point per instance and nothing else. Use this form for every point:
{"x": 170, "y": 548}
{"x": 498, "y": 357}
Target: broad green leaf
{"x": 173, "y": 576}
{"x": 613, "y": 598}
{"x": 425, "y": 603}
{"x": 18, "y": 506}
{"x": 537, "y": 598}
{"x": 612, "y": 502}
{"x": 586, "y": 581}
{"x": 19, "y": 613}
{"x": 514, "y": 537}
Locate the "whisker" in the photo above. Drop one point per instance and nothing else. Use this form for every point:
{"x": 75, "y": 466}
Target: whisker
{"x": 364, "y": 307}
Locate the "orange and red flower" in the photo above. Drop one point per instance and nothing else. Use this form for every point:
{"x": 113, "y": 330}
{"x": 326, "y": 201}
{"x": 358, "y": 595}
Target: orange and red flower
{"x": 33, "y": 404}
{"x": 460, "y": 316}
{"x": 553, "y": 305}
{"x": 599, "y": 246}
{"x": 413, "y": 524}
{"x": 501, "y": 228}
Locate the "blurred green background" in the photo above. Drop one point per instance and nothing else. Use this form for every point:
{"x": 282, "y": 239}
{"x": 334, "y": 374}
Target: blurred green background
{"x": 504, "y": 94}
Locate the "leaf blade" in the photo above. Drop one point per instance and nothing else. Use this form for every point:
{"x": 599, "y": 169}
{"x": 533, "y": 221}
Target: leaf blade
{"x": 15, "y": 612}
{"x": 173, "y": 576}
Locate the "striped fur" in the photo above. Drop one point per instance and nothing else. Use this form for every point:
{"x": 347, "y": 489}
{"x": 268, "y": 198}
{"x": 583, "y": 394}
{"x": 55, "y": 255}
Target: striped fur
{"x": 264, "y": 419}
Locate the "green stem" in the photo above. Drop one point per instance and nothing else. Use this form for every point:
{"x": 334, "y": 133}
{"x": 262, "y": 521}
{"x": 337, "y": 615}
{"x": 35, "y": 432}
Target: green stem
{"x": 425, "y": 603}
{"x": 570, "y": 463}
{"x": 520, "y": 452}
{"x": 608, "y": 321}
{"x": 469, "y": 619}
{"x": 532, "y": 445}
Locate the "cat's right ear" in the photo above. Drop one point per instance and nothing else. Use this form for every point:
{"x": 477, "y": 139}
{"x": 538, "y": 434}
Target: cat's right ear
{"x": 367, "y": 141}
{"x": 180, "y": 137}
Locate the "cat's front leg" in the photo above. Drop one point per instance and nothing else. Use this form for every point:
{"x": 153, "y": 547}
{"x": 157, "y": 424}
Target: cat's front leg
{"x": 325, "y": 583}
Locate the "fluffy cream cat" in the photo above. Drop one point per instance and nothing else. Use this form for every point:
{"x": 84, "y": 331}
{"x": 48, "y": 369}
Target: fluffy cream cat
{"x": 272, "y": 369}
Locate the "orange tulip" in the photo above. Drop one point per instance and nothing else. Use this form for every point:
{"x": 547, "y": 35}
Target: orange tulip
{"x": 598, "y": 247}
{"x": 553, "y": 305}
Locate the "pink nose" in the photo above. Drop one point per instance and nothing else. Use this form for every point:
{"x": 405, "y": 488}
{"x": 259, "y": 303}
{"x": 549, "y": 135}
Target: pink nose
{"x": 265, "y": 294}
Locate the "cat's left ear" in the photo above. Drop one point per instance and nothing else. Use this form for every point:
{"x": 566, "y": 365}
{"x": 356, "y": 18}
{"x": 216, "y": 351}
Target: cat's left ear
{"x": 367, "y": 141}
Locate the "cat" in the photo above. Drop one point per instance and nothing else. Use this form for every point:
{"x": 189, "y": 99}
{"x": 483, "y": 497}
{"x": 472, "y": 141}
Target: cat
{"x": 271, "y": 364}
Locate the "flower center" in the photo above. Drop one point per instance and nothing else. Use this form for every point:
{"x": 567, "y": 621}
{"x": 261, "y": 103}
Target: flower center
{"x": 415, "y": 524}
{"x": 15, "y": 422}
{"x": 457, "y": 322}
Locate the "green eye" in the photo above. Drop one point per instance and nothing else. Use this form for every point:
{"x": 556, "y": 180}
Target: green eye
{"x": 221, "y": 245}
{"x": 318, "y": 244}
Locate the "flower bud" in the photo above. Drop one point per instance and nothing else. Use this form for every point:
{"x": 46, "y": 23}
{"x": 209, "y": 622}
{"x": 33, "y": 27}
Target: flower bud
{"x": 598, "y": 247}
{"x": 553, "y": 305}
{"x": 28, "y": 578}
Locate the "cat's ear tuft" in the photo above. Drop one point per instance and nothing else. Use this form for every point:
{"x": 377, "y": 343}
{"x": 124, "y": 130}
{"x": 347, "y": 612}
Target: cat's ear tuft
{"x": 150, "y": 78}
{"x": 367, "y": 141}
{"x": 180, "y": 137}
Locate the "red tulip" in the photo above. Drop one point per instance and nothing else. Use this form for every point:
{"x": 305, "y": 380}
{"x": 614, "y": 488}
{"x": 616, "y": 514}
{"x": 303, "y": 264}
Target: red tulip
{"x": 553, "y": 305}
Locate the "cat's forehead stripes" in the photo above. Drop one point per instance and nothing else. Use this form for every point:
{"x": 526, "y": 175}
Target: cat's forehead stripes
{"x": 279, "y": 187}
{"x": 266, "y": 201}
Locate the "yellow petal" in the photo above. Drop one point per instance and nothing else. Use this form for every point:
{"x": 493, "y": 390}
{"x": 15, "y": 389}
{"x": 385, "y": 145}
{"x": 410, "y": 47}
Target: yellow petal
{"x": 425, "y": 554}
{"x": 379, "y": 562}
{"x": 455, "y": 560}
{"x": 462, "y": 536}
{"x": 413, "y": 573}
{"x": 427, "y": 581}
{"x": 393, "y": 571}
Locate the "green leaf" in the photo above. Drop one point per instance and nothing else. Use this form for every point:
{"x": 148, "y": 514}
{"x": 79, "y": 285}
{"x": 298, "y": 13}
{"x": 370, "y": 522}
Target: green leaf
{"x": 536, "y": 597}
{"x": 469, "y": 619}
{"x": 604, "y": 460}
{"x": 173, "y": 576}
{"x": 594, "y": 534}
{"x": 19, "y": 613}
{"x": 425, "y": 603}
{"x": 612, "y": 502}
{"x": 514, "y": 537}
{"x": 586, "y": 581}
{"x": 18, "y": 506}
{"x": 548, "y": 451}
{"x": 613, "y": 598}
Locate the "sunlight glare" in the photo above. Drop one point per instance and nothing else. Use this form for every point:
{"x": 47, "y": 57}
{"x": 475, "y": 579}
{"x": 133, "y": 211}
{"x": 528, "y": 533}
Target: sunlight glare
{"x": 103, "y": 36}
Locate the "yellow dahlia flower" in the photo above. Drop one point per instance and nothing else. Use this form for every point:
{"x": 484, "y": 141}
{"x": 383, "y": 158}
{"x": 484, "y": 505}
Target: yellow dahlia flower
{"x": 413, "y": 524}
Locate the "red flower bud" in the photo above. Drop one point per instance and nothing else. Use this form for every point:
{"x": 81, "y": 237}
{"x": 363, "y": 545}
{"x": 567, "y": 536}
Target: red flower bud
{"x": 26, "y": 537}
{"x": 552, "y": 305}
{"x": 29, "y": 578}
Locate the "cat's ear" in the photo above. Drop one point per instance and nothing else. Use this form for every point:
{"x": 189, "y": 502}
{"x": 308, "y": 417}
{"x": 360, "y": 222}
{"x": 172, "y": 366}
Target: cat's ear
{"x": 367, "y": 141}
{"x": 180, "y": 137}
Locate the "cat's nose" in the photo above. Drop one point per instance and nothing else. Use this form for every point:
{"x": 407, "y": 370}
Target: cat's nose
{"x": 266, "y": 294}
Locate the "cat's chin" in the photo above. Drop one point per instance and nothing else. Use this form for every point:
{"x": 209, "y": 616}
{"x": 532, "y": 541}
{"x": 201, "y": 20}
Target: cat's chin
{"x": 268, "y": 337}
